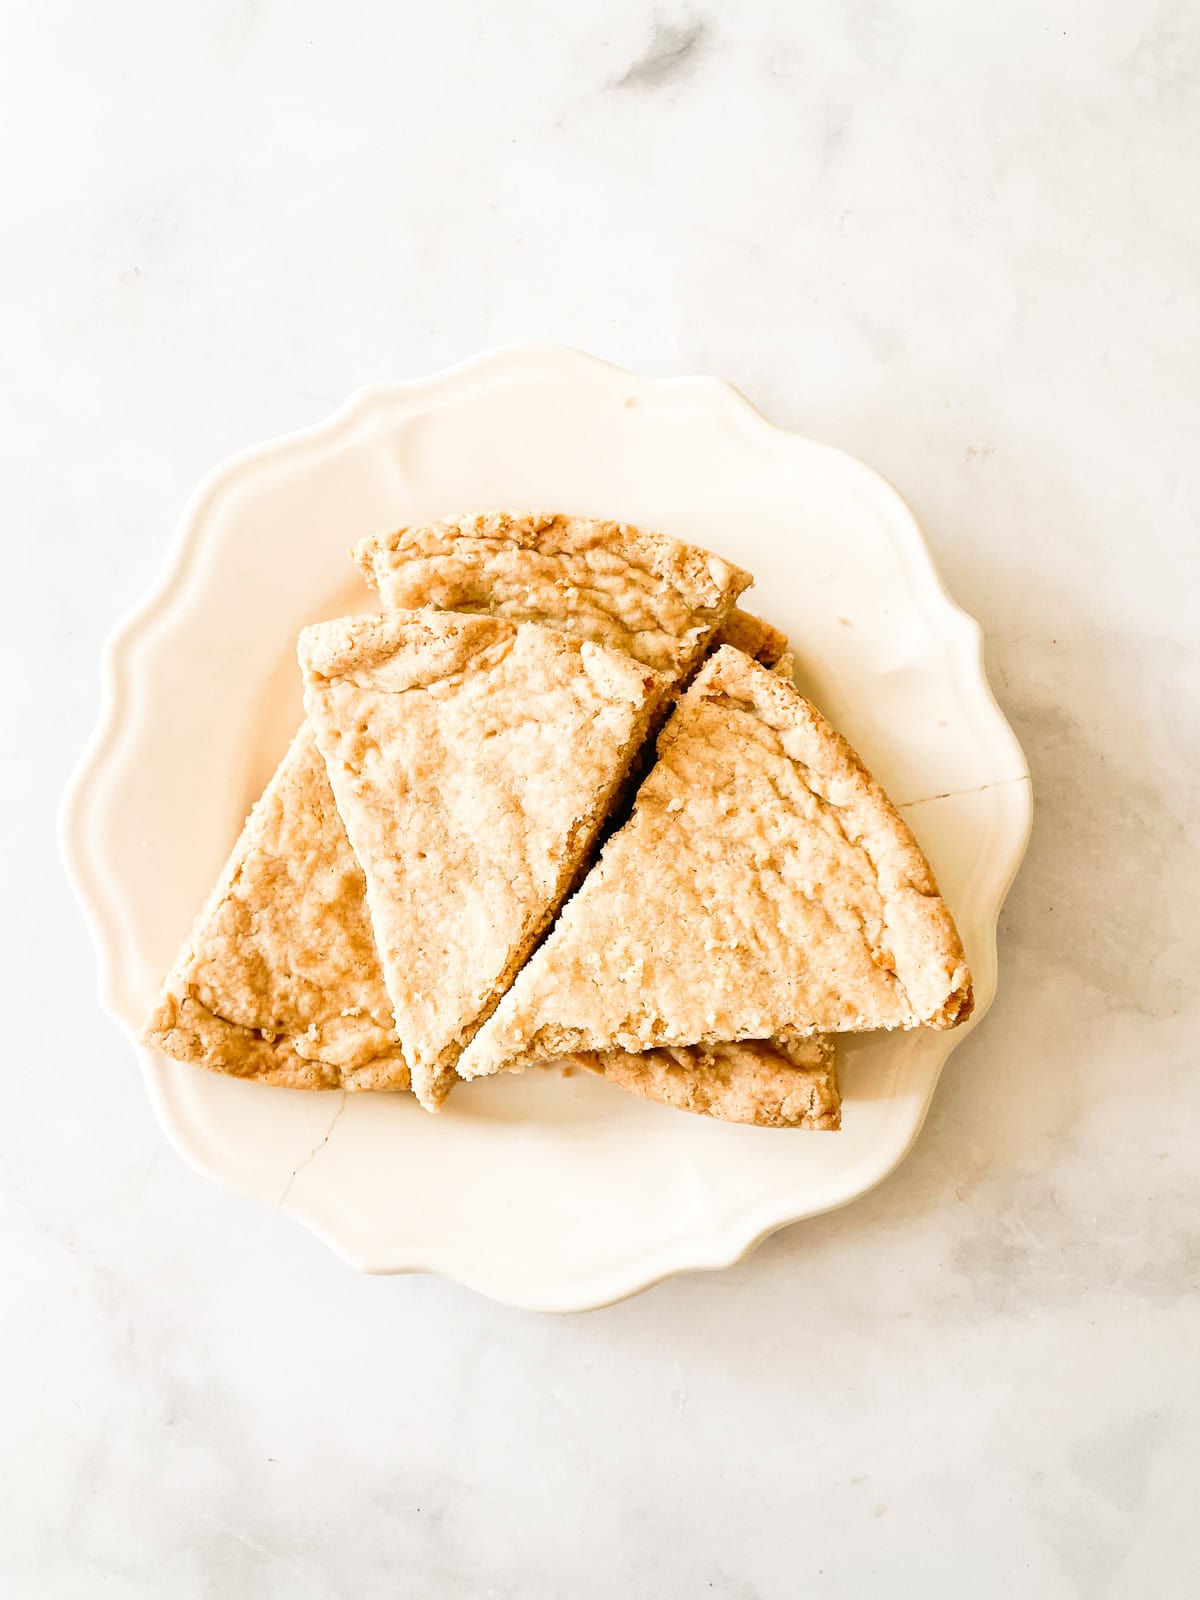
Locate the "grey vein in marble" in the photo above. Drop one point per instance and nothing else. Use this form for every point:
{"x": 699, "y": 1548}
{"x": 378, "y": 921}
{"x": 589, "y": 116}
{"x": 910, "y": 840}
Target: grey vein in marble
{"x": 673, "y": 52}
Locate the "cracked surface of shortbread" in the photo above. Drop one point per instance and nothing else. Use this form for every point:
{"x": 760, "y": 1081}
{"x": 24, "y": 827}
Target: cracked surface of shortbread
{"x": 280, "y": 981}
{"x": 657, "y": 599}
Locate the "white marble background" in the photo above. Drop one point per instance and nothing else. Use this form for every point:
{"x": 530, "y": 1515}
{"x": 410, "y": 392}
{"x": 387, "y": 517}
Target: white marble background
{"x": 962, "y": 240}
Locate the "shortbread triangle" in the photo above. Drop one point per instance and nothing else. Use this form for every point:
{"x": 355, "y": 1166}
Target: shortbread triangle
{"x": 279, "y": 980}
{"x": 769, "y": 1083}
{"x": 653, "y": 597}
{"x": 763, "y": 883}
{"x": 473, "y": 761}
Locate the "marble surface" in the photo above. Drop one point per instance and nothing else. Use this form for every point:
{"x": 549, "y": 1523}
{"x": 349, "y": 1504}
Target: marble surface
{"x": 960, "y": 241}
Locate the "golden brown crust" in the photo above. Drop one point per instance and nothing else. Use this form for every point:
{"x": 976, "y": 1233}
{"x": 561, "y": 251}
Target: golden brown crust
{"x": 768, "y": 1083}
{"x": 654, "y": 598}
{"x": 473, "y": 760}
{"x": 181, "y": 1027}
{"x": 754, "y": 637}
{"x": 764, "y": 882}
{"x": 279, "y": 980}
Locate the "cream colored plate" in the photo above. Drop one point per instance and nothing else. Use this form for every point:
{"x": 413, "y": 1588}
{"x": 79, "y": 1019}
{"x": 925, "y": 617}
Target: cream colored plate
{"x": 542, "y": 1192}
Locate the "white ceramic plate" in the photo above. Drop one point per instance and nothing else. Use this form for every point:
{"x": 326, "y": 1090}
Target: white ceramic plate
{"x": 540, "y": 1191}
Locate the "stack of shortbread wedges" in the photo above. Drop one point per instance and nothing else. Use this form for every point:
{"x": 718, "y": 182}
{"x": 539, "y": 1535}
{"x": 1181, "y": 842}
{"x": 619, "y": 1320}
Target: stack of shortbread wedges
{"x": 562, "y": 803}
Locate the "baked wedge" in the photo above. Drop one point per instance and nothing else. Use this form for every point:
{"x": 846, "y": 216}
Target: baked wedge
{"x": 279, "y": 980}
{"x": 770, "y": 1083}
{"x": 764, "y": 883}
{"x": 655, "y": 598}
{"x": 473, "y": 759}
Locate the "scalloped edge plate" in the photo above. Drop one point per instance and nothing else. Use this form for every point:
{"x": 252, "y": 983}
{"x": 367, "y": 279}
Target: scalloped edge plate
{"x": 545, "y": 1192}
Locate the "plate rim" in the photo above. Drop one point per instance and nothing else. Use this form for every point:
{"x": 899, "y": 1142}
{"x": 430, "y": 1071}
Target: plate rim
{"x": 713, "y": 1245}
